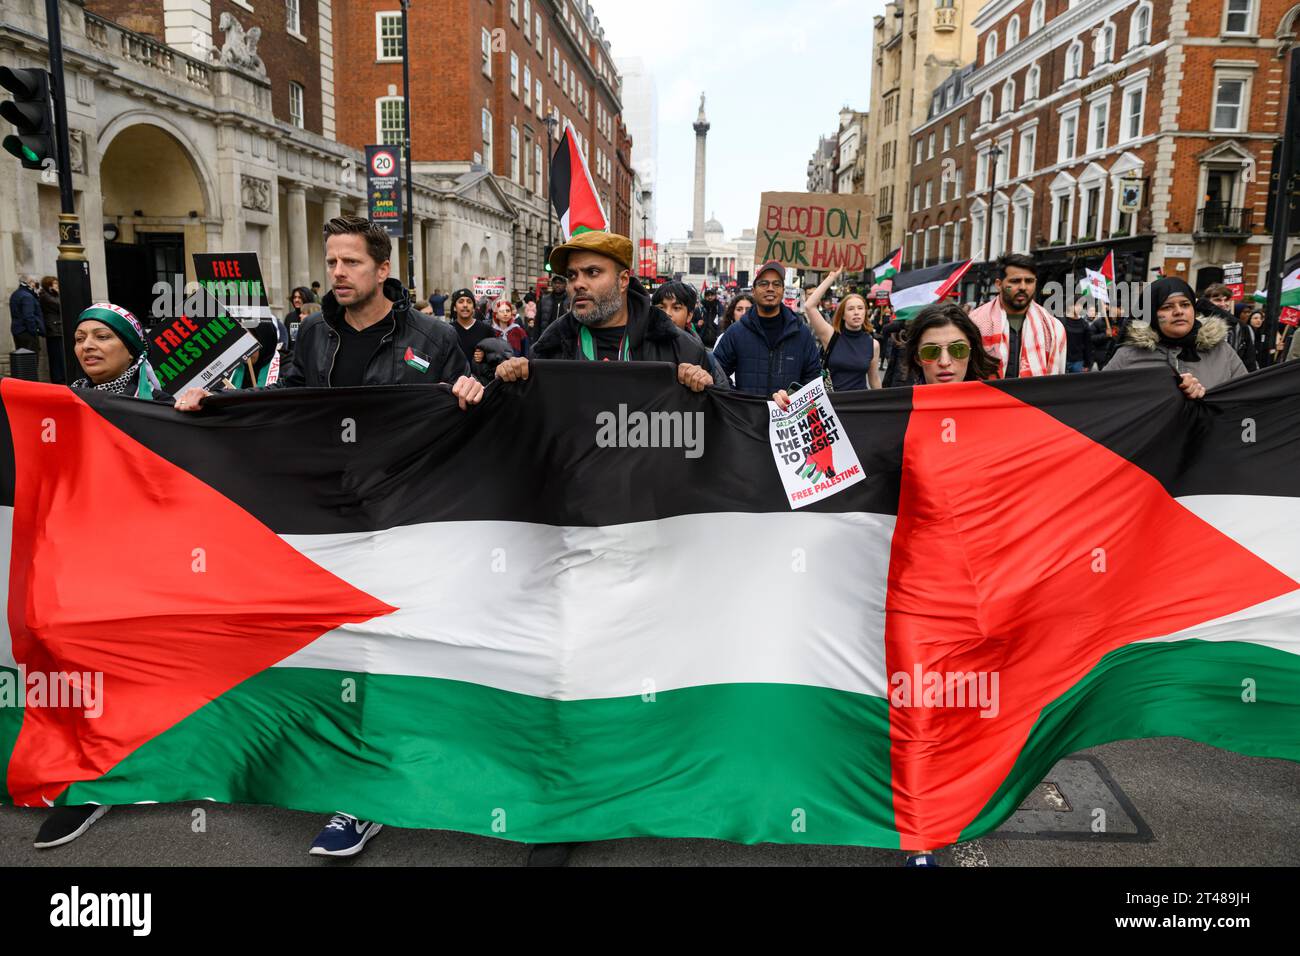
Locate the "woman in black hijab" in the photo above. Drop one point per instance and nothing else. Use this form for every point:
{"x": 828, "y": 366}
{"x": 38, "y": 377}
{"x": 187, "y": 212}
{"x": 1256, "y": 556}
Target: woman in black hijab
{"x": 1194, "y": 347}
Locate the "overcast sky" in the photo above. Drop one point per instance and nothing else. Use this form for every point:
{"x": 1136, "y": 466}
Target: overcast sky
{"x": 776, "y": 73}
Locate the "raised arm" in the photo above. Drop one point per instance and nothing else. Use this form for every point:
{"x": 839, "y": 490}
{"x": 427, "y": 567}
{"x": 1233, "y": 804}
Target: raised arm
{"x": 820, "y": 327}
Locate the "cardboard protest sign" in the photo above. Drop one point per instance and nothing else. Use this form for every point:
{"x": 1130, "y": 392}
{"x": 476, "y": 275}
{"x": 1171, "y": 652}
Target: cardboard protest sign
{"x": 489, "y": 287}
{"x": 234, "y": 279}
{"x": 811, "y": 450}
{"x": 384, "y": 187}
{"x": 198, "y": 346}
{"x": 818, "y": 231}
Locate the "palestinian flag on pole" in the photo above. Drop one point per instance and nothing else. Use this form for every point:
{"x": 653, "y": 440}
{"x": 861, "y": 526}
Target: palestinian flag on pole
{"x": 887, "y": 267}
{"x": 1290, "y": 285}
{"x": 307, "y": 615}
{"x": 914, "y": 290}
{"x": 1100, "y": 285}
{"x": 573, "y": 192}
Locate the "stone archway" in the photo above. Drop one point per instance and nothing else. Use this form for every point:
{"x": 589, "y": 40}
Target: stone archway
{"x": 157, "y": 195}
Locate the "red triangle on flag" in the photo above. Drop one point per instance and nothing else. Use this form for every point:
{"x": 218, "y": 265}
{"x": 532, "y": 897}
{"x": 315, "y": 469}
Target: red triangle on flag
{"x": 1025, "y": 550}
{"x": 126, "y": 566}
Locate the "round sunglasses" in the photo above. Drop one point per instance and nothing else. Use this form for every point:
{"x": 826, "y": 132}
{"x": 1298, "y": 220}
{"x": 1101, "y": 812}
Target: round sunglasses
{"x": 931, "y": 351}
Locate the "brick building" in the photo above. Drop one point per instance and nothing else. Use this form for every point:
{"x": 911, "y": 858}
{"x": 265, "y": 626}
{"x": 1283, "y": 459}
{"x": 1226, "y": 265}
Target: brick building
{"x": 1128, "y": 126}
{"x": 915, "y": 46}
{"x": 941, "y": 158}
{"x": 485, "y": 76}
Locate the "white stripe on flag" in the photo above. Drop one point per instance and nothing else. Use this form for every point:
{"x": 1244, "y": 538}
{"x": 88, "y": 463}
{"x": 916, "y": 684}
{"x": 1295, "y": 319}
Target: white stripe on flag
{"x": 1264, "y": 526}
{"x": 584, "y": 613}
{"x": 916, "y": 296}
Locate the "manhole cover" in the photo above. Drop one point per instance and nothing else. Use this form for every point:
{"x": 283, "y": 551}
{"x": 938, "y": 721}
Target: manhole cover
{"x": 1078, "y": 800}
{"x": 1046, "y": 796}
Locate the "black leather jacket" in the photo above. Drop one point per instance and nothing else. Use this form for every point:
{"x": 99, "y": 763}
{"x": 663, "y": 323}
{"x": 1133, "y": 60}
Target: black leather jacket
{"x": 431, "y": 340}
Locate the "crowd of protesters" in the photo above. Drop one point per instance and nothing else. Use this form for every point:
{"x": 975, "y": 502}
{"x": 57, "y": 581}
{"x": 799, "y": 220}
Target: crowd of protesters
{"x": 369, "y": 330}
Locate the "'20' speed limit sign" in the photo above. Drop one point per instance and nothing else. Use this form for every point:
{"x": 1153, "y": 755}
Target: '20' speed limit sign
{"x": 383, "y": 163}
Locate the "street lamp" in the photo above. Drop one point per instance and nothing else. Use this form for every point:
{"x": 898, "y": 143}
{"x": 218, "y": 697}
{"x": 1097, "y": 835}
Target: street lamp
{"x": 552, "y": 124}
{"x": 994, "y": 154}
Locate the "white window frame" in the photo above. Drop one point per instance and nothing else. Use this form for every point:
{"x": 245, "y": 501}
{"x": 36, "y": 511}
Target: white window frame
{"x": 528, "y": 87}
{"x": 1063, "y": 192}
{"x": 1252, "y": 19}
{"x": 1036, "y": 16}
{"x": 1033, "y": 83}
{"x": 1013, "y": 31}
{"x": 298, "y": 94}
{"x": 1103, "y": 45}
{"x": 514, "y": 73}
{"x": 1243, "y": 108}
{"x": 485, "y": 51}
{"x": 929, "y": 148}
{"x": 1022, "y": 217}
{"x": 1004, "y": 158}
{"x": 916, "y": 197}
{"x": 1087, "y": 182}
{"x": 537, "y": 32}
{"x": 990, "y": 47}
{"x": 293, "y": 17}
{"x": 961, "y": 130}
{"x": 917, "y": 152}
{"x": 538, "y": 164}
{"x": 978, "y": 223}
{"x": 1102, "y": 101}
{"x": 527, "y": 25}
{"x": 514, "y": 155}
{"x": 514, "y": 12}
{"x": 537, "y": 97}
{"x": 947, "y": 137}
{"x": 380, "y": 16}
{"x": 487, "y": 133}
{"x": 379, "y": 119}
{"x": 1001, "y": 221}
{"x": 1028, "y": 149}
{"x": 986, "y": 108}
{"x": 1070, "y": 112}
{"x": 1126, "y": 115}
{"x": 1135, "y": 39}
{"x": 1007, "y": 100}
{"x": 1074, "y": 60}
{"x": 929, "y": 194}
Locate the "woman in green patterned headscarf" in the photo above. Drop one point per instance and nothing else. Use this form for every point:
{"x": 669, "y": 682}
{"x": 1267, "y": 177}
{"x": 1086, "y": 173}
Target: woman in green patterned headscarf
{"x": 114, "y": 354}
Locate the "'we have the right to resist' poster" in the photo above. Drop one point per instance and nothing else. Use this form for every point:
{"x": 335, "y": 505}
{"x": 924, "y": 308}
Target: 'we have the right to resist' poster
{"x": 812, "y": 451}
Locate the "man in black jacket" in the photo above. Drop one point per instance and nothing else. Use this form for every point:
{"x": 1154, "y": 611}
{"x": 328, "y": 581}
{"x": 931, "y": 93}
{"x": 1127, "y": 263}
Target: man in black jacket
{"x": 368, "y": 332}
{"x": 611, "y": 318}
{"x": 554, "y": 303}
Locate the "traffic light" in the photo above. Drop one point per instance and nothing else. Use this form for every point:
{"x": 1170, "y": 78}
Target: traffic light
{"x": 29, "y": 112}
{"x": 546, "y": 257}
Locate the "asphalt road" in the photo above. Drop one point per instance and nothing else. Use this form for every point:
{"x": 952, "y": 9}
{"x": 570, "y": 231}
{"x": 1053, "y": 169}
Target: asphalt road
{"x": 1193, "y": 805}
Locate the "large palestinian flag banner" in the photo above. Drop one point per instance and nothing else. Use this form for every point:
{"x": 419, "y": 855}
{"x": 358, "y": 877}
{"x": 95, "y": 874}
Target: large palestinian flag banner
{"x": 533, "y": 620}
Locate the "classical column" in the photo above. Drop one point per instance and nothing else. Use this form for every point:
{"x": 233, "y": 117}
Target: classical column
{"x": 331, "y": 206}
{"x": 428, "y": 276}
{"x": 417, "y": 245}
{"x": 701, "y": 134}
{"x": 299, "y": 268}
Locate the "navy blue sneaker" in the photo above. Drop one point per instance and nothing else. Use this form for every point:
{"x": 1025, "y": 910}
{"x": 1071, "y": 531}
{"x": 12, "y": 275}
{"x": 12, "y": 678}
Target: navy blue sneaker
{"x": 921, "y": 859}
{"x": 344, "y": 835}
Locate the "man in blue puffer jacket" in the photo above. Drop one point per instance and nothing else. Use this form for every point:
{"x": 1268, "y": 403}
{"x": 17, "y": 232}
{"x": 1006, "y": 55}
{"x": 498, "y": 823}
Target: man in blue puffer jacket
{"x": 769, "y": 350}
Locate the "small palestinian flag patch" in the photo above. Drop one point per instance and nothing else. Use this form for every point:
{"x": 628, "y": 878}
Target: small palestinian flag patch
{"x": 416, "y": 360}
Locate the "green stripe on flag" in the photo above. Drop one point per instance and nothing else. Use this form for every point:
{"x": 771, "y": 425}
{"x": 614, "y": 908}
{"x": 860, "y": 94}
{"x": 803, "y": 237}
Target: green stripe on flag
{"x": 727, "y": 761}
{"x": 1189, "y": 688}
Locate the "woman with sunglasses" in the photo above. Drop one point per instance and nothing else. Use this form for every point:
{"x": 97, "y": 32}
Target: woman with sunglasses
{"x": 944, "y": 345}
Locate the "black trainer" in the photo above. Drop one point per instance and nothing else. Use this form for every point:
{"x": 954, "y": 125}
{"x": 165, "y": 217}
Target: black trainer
{"x": 65, "y": 824}
{"x": 549, "y": 854}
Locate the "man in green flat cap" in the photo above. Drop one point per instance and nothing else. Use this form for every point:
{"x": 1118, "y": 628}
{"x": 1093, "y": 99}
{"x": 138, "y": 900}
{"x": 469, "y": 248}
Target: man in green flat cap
{"x": 610, "y": 318}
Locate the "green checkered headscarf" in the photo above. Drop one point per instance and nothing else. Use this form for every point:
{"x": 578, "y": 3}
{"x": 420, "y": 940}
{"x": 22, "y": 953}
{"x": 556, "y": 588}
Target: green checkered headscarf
{"x": 138, "y": 380}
